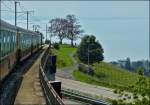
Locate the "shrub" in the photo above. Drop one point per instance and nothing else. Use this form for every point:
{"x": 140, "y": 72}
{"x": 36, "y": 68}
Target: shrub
{"x": 124, "y": 98}
{"x": 56, "y": 46}
{"x": 62, "y": 63}
{"x": 115, "y": 91}
{"x": 135, "y": 96}
{"x": 126, "y": 95}
{"x": 114, "y": 102}
{"x": 129, "y": 97}
{"x": 85, "y": 69}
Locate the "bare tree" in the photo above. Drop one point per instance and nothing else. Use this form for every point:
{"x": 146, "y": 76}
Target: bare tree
{"x": 73, "y": 28}
{"x": 58, "y": 28}
{"x": 65, "y": 28}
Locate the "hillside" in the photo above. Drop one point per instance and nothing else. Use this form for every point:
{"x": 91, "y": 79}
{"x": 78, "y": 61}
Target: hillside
{"x": 106, "y": 74}
{"x": 63, "y": 56}
{"x": 109, "y": 76}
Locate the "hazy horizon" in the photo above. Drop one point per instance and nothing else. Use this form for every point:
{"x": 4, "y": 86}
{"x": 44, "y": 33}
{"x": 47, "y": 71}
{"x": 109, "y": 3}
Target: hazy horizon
{"x": 122, "y": 27}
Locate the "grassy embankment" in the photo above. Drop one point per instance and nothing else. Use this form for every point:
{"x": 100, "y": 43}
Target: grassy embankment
{"x": 109, "y": 76}
{"x": 63, "y": 56}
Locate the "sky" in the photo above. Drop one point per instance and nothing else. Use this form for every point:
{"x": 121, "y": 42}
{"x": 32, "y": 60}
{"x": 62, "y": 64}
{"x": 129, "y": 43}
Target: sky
{"x": 122, "y": 27}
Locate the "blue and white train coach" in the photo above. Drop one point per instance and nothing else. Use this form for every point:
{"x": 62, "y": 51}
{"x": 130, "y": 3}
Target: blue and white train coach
{"x": 16, "y": 44}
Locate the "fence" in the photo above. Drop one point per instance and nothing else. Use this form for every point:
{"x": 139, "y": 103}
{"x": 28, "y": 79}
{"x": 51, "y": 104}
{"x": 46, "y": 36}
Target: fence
{"x": 52, "y": 98}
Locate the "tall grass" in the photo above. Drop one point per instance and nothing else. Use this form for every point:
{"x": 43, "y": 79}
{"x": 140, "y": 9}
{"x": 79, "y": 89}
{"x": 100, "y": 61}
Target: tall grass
{"x": 109, "y": 76}
{"x": 63, "y": 56}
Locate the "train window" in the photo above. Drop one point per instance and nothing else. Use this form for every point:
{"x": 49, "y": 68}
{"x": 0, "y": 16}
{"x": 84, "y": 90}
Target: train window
{"x": 10, "y": 42}
{"x": 0, "y": 50}
{"x": 7, "y": 41}
{"x": 4, "y": 44}
{"x": 14, "y": 40}
{"x": 13, "y": 45}
{"x": 1, "y": 42}
{"x": 24, "y": 42}
{"x": 21, "y": 39}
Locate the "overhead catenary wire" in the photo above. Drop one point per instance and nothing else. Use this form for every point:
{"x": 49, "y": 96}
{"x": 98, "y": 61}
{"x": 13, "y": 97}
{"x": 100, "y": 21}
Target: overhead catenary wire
{"x": 21, "y": 11}
{"x": 8, "y": 7}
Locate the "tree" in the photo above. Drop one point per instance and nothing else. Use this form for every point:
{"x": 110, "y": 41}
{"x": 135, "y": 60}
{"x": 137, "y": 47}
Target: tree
{"x": 128, "y": 64}
{"x": 90, "y": 45}
{"x": 73, "y": 28}
{"x": 58, "y": 28}
{"x": 140, "y": 71}
{"x": 142, "y": 87}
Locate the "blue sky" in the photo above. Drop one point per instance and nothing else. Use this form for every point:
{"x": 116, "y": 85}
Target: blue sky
{"x": 122, "y": 27}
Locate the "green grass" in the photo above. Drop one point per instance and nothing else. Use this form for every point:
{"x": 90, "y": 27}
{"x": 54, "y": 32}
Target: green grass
{"x": 109, "y": 76}
{"x": 63, "y": 56}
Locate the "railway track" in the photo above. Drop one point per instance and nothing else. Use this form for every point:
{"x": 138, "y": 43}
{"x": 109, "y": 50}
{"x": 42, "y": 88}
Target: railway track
{"x": 83, "y": 98}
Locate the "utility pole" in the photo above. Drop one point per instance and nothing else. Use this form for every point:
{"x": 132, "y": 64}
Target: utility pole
{"x": 88, "y": 42}
{"x": 28, "y": 12}
{"x": 88, "y": 55}
{"x": 16, "y": 13}
{"x": 33, "y": 27}
{"x": 27, "y": 19}
{"x": 46, "y": 31}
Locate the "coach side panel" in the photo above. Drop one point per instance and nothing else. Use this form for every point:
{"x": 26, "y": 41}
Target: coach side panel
{"x": 8, "y": 50}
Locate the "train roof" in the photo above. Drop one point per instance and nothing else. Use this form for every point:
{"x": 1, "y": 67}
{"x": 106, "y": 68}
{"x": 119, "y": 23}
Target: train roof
{"x": 5, "y": 25}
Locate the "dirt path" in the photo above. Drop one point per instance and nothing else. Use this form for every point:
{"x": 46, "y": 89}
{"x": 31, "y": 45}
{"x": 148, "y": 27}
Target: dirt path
{"x": 67, "y": 72}
{"x": 30, "y": 91}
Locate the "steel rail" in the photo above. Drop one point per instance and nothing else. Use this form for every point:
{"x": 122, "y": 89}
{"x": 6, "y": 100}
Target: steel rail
{"x": 83, "y": 98}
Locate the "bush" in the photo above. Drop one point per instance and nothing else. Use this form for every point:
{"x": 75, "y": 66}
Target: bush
{"x": 61, "y": 62}
{"x": 114, "y": 102}
{"x": 85, "y": 69}
{"x": 135, "y": 96}
{"x": 115, "y": 91}
{"x": 56, "y": 46}
{"x": 126, "y": 95}
{"x": 129, "y": 97}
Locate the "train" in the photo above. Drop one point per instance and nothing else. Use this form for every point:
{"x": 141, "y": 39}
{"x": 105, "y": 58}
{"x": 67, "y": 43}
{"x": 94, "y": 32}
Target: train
{"x": 16, "y": 45}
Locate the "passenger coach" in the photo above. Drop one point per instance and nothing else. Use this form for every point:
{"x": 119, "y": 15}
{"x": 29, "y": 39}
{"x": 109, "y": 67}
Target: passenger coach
{"x": 16, "y": 44}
